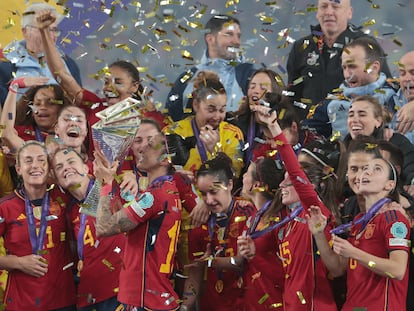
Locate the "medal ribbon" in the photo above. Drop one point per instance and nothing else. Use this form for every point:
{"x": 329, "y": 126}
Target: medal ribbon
{"x": 212, "y": 221}
{"x": 38, "y": 134}
{"x": 285, "y": 220}
{"x": 200, "y": 146}
{"x": 258, "y": 216}
{"x": 82, "y": 219}
{"x": 37, "y": 241}
{"x": 251, "y": 133}
{"x": 364, "y": 219}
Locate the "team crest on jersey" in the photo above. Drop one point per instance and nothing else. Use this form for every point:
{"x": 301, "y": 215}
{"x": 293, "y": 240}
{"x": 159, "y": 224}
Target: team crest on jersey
{"x": 312, "y": 59}
{"x": 55, "y": 208}
{"x": 369, "y": 231}
{"x": 399, "y": 230}
{"x": 234, "y": 230}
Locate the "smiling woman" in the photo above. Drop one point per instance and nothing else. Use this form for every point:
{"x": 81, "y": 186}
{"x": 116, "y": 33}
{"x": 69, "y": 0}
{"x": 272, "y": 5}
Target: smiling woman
{"x": 40, "y": 258}
{"x": 367, "y": 117}
{"x": 36, "y": 113}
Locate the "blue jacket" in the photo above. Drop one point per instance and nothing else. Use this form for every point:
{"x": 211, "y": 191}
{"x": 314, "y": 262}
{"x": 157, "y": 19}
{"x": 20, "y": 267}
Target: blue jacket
{"x": 228, "y": 71}
{"x": 23, "y": 64}
{"x": 331, "y": 115}
{"x": 400, "y": 101}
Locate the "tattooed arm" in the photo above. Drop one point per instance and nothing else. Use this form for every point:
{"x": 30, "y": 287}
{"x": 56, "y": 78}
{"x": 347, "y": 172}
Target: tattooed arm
{"x": 108, "y": 223}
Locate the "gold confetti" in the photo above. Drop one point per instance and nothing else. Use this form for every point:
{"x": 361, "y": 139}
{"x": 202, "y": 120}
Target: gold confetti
{"x": 276, "y": 305}
{"x": 74, "y": 187}
{"x": 301, "y": 298}
{"x": 371, "y": 264}
{"x": 125, "y": 47}
{"x": 297, "y": 81}
{"x": 369, "y": 23}
{"x": 197, "y": 254}
{"x": 218, "y": 185}
{"x": 108, "y": 264}
{"x": 239, "y": 218}
{"x": 186, "y": 54}
{"x": 397, "y": 42}
{"x": 263, "y": 299}
{"x": 194, "y": 25}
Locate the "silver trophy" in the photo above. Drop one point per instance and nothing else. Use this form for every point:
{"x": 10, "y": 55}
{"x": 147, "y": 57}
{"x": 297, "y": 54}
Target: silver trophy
{"x": 115, "y": 131}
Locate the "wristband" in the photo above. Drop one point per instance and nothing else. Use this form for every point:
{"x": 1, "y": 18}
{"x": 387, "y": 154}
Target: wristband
{"x": 13, "y": 88}
{"x": 19, "y": 82}
{"x": 106, "y": 189}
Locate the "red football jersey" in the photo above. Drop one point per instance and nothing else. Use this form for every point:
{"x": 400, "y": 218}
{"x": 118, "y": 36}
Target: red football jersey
{"x": 54, "y": 290}
{"x": 367, "y": 290}
{"x": 263, "y": 276}
{"x": 102, "y": 261}
{"x": 306, "y": 284}
{"x": 150, "y": 249}
{"x": 231, "y": 295}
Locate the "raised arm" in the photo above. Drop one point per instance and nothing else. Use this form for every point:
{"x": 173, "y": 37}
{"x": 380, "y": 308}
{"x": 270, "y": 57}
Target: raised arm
{"x": 300, "y": 181}
{"x": 108, "y": 223}
{"x": 8, "y": 115}
{"x": 54, "y": 60}
{"x": 335, "y": 263}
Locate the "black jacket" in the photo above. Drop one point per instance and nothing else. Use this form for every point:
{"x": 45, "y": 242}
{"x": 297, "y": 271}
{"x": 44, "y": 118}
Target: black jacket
{"x": 320, "y": 67}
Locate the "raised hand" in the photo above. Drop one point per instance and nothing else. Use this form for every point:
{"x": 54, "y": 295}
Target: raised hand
{"x": 44, "y": 19}
{"x": 210, "y": 137}
{"x": 102, "y": 169}
{"x": 316, "y": 220}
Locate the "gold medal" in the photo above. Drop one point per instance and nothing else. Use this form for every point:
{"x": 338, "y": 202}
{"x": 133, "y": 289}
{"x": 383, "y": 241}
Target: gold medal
{"x": 143, "y": 182}
{"x": 219, "y": 286}
{"x": 37, "y": 212}
{"x": 80, "y": 267}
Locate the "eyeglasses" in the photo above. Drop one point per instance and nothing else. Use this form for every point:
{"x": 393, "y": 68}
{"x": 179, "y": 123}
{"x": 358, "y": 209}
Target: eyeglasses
{"x": 55, "y": 30}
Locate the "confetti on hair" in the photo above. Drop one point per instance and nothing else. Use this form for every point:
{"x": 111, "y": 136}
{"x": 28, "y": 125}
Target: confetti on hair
{"x": 218, "y": 185}
{"x": 369, "y": 146}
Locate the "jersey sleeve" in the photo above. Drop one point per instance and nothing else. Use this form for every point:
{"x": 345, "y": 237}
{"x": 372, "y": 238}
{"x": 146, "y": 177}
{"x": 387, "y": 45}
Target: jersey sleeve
{"x": 197, "y": 242}
{"x": 397, "y": 231}
{"x": 145, "y": 207}
{"x": 303, "y": 186}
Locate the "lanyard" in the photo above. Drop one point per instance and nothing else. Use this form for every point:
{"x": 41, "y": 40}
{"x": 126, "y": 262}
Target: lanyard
{"x": 200, "y": 146}
{"x": 212, "y": 221}
{"x": 285, "y": 220}
{"x": 38, "y": 134}
{"x": 82, "y": 221}
{"x": 258, "y": 216}
{"x": 364, "y": 219}
{"x": 251, "y": 133}
{"x": 37, "y": 241}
